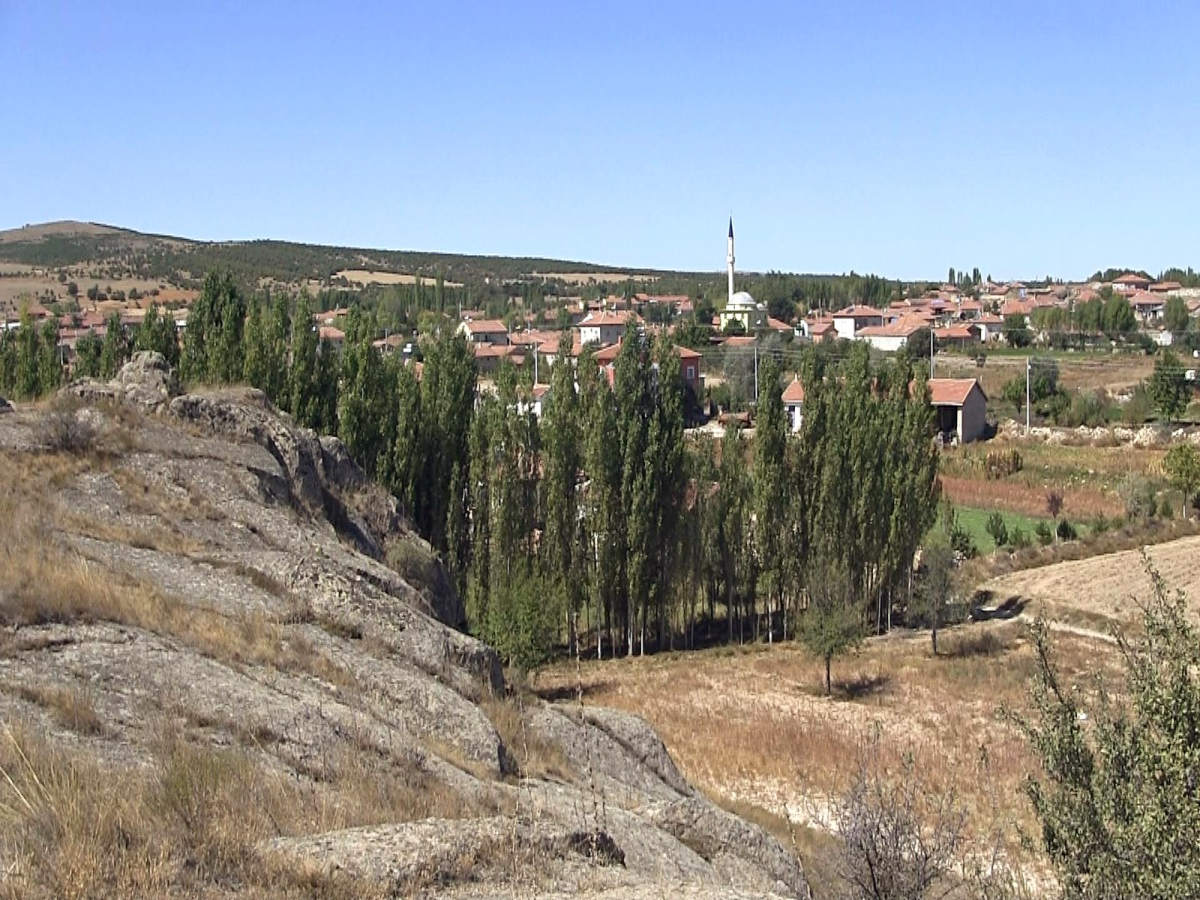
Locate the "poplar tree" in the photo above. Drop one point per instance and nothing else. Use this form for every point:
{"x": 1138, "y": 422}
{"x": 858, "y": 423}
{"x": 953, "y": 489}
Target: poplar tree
{"x": 731, "y": 517}
{"x": 28, "y": 379}
{"x": 635, "y": 408}
{"x": 770, "y": 488}
{"x": 277, "y": 334}
{"x": 604, "y": 518}
{"x": 50, "y": 368}
{"x": 362, "y": 404}
{"x": 447, "y": 401}
{"x": 254, "y": 366}
{"x": 666, "y": 476}
{"x": 87, "y": 356}
{"x": 560, "y": 550}
{"x": 302, "y": 374}
{"x": 115, "y": 348}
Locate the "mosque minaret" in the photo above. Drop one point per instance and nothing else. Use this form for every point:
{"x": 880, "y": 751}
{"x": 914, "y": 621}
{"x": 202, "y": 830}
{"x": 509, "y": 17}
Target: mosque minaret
{"x": 740, "y": 306}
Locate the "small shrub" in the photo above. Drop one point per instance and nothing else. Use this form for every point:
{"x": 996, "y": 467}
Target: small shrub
{"x": 1137, "y": 493}
{"x": 962, "y": 543}
{"x": 1140, "y": 407}
{"x": 1019, "y": 539}
{"x": 62, "y": 429}
{"x": 1165, "y": 509}
{"x": 1100, "y": 524}
{"x": 1044, "y": 534}
{"x": 1088, "y": 408}
{"x": 1001, "y": 463}
{"x": 1066, "y": 531}
{"x": 997, "y": 529}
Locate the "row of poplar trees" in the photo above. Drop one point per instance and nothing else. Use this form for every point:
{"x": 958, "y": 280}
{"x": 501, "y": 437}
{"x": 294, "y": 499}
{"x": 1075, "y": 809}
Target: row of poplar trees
{"x": 599, "y": 523}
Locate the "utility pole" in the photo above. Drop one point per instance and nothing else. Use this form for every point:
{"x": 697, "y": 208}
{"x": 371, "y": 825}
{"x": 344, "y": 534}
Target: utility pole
{"x": 931, "y": 352}
{"x": 1028, "y": 367}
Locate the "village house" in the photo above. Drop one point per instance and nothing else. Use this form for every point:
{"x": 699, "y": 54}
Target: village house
{"x": 958, "y": 337}
{"x": 960, "y": 409}
{"x": 1148, "y": 307}
{"x": 892, "y": 337}
{"x": 1131, "y": 283}
{"x": 484, "y": 331}
{"x": 602, "y": 328}
{"x": 848, "y": 321}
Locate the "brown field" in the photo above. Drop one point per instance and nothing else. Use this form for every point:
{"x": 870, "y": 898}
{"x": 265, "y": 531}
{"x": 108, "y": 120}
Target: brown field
{"x": 1115, "y": 373}
{"x": 365, "y": 276}
{"x": 1104, "y": 589}
{"x": 1079, "y": 501}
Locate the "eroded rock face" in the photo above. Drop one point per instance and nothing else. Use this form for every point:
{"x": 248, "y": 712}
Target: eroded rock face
{"x": 264, "y": 615}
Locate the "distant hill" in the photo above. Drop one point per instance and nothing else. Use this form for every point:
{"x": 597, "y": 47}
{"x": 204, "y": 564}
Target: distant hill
{"x": 180, "y": 260}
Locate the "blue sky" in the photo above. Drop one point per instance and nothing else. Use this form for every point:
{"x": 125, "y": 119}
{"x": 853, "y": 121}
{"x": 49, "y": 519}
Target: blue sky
{"x": 901, "y": 138}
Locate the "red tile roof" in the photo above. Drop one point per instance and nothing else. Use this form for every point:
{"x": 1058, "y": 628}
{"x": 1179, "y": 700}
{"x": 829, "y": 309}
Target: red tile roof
{"x": 951, "y": 391}
{"x": 486, "y": 326}
{"x": 858, "y": 312}
{"x": 794, "y": 392}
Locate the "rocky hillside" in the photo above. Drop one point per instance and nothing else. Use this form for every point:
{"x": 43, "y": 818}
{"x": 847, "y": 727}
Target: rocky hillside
{"x": 228, "y": 668}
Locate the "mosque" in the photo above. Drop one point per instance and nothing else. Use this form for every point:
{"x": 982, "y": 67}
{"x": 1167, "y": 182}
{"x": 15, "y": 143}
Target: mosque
{"x": 740, "y": 307}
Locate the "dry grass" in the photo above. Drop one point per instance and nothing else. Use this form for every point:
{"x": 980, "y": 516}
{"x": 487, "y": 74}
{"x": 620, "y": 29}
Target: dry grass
{"x": 531, "y": 755}
{"x": 69, "y": 707}
{"x": 189, "y": 824}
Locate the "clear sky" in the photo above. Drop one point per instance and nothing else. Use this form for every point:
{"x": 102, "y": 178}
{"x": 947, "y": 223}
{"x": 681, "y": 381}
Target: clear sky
{"x": 1026, "y": 137}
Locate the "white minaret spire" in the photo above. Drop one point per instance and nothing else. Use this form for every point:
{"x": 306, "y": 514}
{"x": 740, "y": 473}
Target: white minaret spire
{"x": 730, "y": 259}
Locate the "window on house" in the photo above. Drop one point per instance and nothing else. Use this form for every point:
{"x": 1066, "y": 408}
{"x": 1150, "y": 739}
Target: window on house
{"x": 691, "y": 372}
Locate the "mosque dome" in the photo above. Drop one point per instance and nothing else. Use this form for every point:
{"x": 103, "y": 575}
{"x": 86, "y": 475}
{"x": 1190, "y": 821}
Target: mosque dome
{"x": 741, "y": 300}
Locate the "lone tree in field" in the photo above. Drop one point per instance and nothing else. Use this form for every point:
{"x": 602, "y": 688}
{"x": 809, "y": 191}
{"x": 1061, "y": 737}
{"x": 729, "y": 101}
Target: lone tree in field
{"x": 934, "y": 588}
{"x": 833, "y": 622}
{"x": 1118, "y": 796}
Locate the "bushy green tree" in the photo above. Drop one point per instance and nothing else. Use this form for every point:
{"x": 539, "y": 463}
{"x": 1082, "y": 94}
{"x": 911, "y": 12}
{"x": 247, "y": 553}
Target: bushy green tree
{"x": 1119, "y": 317}
{"x": 1176, "y": 315}
{"x": 1016, "y": 331}
{"x": 1116, "y": 794}
{"x": 1182, "y": 466}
